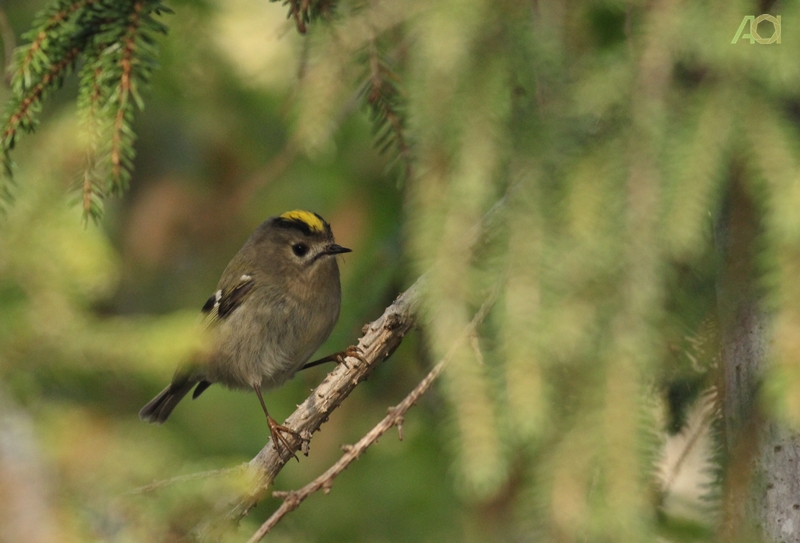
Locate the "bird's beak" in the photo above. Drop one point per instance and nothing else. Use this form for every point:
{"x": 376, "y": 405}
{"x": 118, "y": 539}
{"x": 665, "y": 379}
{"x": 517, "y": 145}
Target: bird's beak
{"x": 334, "y": 249}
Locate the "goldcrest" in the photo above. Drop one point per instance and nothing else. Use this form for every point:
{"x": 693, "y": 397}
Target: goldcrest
{"x": 276, "y": 303}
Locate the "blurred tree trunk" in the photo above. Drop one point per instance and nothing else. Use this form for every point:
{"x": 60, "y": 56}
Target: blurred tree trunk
{"x": 762, "y": 479}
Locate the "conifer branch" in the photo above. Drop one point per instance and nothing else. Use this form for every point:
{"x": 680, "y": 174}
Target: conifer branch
{"x": 22, "y": 116}
{"x": 122, "y": 136}
{"x": 91, "y": 191}
{"x": 296, "y": 11}
{"x": 306, "y": 11}
{"x": 385, "y": 102}
{"x": 59, "y": 17}
{"x": 705, "y": 413}
{"x": 119, "y": 55}
{"x": 88, "y": 193}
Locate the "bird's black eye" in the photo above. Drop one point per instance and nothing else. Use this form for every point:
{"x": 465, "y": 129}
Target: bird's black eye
{"x": 300, "y": 249}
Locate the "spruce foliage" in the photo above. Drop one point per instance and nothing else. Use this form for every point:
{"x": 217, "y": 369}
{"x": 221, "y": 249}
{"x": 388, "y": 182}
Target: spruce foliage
{"x": 114, "y": 45}
{"x": 603, "y": 139}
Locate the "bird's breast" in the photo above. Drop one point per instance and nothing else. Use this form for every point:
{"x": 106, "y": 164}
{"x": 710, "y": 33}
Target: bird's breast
{"x": 269, "y": 338}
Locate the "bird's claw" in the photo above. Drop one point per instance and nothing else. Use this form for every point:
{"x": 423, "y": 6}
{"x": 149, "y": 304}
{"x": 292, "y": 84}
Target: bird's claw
{"x": 351, "y": 351}
{"x": 276, "y": 431}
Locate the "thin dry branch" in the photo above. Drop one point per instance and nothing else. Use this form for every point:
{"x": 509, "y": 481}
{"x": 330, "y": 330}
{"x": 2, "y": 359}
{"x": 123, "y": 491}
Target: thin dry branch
{"x": 379, "y": 341}
{"x": 293, "y": 499}
{"x": 158, "y": 485}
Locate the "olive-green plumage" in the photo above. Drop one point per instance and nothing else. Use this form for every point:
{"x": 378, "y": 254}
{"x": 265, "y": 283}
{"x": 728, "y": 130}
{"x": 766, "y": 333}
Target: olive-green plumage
{"x": 276, "y": 303}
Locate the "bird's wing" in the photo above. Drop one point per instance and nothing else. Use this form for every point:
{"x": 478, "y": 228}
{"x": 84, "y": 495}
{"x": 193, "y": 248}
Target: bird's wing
{"x": 225, "y": 300}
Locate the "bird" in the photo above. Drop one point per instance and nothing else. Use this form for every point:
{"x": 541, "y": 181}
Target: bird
{"x": 277, "y": 301}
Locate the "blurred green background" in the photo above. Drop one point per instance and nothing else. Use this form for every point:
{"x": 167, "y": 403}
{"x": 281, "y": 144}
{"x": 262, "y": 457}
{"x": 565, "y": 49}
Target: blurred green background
{"x": 93, "y": 320}
{"x": 583, "y": 409}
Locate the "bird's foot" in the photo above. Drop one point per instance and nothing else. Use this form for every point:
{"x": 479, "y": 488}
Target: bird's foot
{"x": 352, "y": 350}
{"x": 278, "y": 440}
{"x": 339, "y": 357}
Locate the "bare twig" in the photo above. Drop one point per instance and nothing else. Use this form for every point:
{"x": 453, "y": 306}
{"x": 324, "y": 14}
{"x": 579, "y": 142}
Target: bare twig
{"x": 157, "y": 485}
{"x": 293, "y": 499}
{"x": 380, "y": 339}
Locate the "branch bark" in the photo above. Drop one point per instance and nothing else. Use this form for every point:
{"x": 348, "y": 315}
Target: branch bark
{"x": 380, "y": 339}
{"x": 293, "y": 499}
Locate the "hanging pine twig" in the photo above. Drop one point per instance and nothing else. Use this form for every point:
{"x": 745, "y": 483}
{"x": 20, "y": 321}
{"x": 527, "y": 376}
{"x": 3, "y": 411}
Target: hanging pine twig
{"x": 384, "y": 98}
{"x": 306, "y": 11}
{"x": 90, "y": 105}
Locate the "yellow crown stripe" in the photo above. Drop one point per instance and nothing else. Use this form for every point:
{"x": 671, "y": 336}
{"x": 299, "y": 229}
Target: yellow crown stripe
{"x": 310, "y": 219}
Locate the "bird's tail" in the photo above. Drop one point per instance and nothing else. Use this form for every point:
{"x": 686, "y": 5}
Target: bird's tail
{"x": 159, "y": 408}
